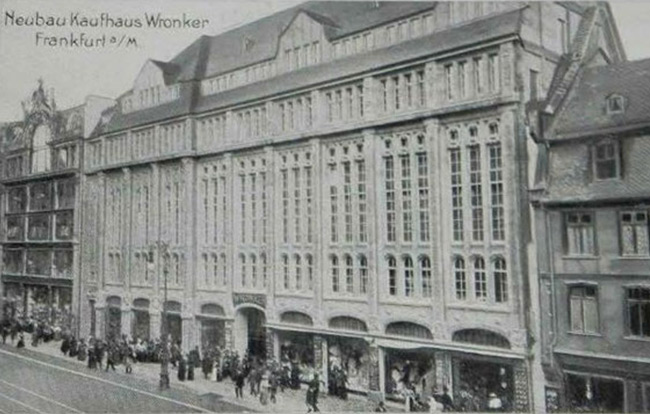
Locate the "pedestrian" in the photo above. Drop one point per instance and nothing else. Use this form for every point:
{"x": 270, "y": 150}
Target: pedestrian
{"x": 65, "y": 345}
{"x": 182, "y": 367}
{"x": 21, "y": 341}
{"x": 445, "y": 400}
{"x": 273, "y": 386}
{"x": 190, "y": 367}
{"x": 5, "y": 333}
{"x": 206, "y": 365}
{"x": 110, "y": 357}
{"x": 240, "y": 378}
{"x": 312, "y": 394}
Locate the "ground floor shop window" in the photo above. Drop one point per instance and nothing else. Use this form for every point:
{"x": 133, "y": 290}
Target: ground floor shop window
{"x": 592, "y": 394}
{"x": 349, "y": 357}
{"x": 51, "y": 304}
{"x": 141, "y": 324}
{"x": 479, "y": 385}
{"x": 409, "y": 368}
{"x": 213, "y": 334}
{"x": 297, "y": 347}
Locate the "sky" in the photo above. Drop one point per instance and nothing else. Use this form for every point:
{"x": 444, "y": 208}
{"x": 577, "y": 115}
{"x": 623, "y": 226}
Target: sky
{"x": 109, "y": 70}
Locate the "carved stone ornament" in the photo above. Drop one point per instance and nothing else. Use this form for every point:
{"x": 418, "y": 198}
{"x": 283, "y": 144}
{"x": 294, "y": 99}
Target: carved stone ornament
{"x": 243, "y": 298}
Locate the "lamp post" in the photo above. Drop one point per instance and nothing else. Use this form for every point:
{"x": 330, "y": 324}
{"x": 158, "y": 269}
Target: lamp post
{"x": 162, "y": 249}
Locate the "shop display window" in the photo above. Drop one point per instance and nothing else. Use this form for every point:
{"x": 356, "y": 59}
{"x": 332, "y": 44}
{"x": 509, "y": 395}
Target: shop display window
{"x": 64, "y": 225}
{"x": 16, "y": 228}
{"x": 17, "y": 200}
{"x": 39, "y": 262}
{"x": 39, "y": 227}
{"x": 40, "y": 196}
{"x": 65, "y": 192}
{"x": 13, "y": 261}
{"x": 590, "y": 394}
{"x": 62, "y": 264}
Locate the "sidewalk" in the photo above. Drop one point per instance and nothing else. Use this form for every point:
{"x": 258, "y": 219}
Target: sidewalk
{"x": 289, "y": 401}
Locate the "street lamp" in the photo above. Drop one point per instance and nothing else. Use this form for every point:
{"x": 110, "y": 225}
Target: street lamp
{"x": 162, "y": 249}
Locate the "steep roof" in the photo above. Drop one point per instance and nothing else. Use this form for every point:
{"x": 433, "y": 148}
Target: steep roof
{"x": 226, "y": 51}
{"x": 490, "y": 28}
{"x": 585, "y": 111}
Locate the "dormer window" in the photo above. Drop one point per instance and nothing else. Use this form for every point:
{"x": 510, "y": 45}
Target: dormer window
{"x": 607, "y": 160}
{"x": 615, "y": 104}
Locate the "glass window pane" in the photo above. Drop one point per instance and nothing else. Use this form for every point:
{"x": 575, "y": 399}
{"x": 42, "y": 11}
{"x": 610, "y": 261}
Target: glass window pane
{"x": 13, "y": 261}
{"x": 63, "y": 264}
{"x": 17, "y": 200}
{"x": 38, "y": 262}
{"x": 64, "y": 225}
{"x": 16, "y": 228}
{"x": 65, "y": 192}
{"x": 39, "y": 227}
{"x": 576, "y": 313}
{"x": 40, "y": 196}
{"x": 591, "y": 315}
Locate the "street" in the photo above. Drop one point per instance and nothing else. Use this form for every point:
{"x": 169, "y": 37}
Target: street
{"x": 35, "y": 383}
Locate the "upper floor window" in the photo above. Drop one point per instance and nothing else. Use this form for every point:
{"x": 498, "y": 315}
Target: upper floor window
{"x": 583, "y": 309}
{"x": 580, "y": 233}
{"x": 634, "y": 233}
{"x": 615, "y": 104}
{"x": 638, "y": 311}
{"x": 607, "y": 160}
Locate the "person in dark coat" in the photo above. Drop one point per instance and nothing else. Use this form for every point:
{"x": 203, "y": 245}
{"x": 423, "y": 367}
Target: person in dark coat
{"x": 81, "y": 356}
{"x": 65, "y": 345}
{"x": 21, "y": 341}
{"x": 207, "y": 365}
{"x": 190, "y": 367}
{"x": 182, "y": 367}
{"x": 110, "y": 357}
{"x": 240, "y": 378}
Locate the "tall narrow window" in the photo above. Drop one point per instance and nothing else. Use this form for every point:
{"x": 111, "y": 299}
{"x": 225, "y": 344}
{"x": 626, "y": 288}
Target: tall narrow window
{"x": 425, "y": 276}
{"x": 476, "y": 192}
{"x": 500, "y": 280}
{"x": 392, "y": 276}
{"x": 493, "y": 72}
{"x": 583, "y": 309}
{"x": 253, "y": 271}
{"x": 362, "y": 201}
{"x": 409, "y": 282}
{"x": 284, "y": 176}
{"x": 349, "y": 274}
{"x": 421, "y": 95}
{"x": 347, "y": 200}
{"x": 533, "y": 85}
{"x": 389, "y": 179}
{"x": 456, "y": 193}
{"x": 462, "y": 81}
{"x": 449, "y": 82}
{"x": 298, "y": 272}
{"x": 638, "y": 311}
{"x": 296, "y": 205}
{"x": 384, "y": 95}
{"x": 478, "y": 75}
{"x": 460, "y": 278}
{"x": 606, "y": 161}
{"x": 224, "y": 270}
{"x": 580, "y": 233}
{"x": 333, "y": 214}
{"x": 423, "y": 196}
{"x": 310, "y": 272}
{"x": 363, "y": 275}
{"x": 309, "y": 201}
{"x": 496, "y": 193}
{"x": 634, "y": 233}
{"x": 242, "y": 270}
{"x": 265, "y": 269}
{"x": 407, "y": 214}
{"x": 334, "y": 264}
{"x": 480, "y": 279}
{"x": 285, "y": 272}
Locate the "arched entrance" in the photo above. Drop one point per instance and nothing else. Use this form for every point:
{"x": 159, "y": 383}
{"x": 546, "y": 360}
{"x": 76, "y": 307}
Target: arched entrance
{"x": 212, "y": 326}
{"x": 141, "y": 320}
{"x": 113, "y": 318}
{"x": 250, "y": 331}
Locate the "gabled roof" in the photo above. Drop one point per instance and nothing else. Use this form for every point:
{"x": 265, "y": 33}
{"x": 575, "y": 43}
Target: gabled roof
{"x": 226, "y": 51}
{"x": 491, "y": 28}
{"x": 585, "y": 111}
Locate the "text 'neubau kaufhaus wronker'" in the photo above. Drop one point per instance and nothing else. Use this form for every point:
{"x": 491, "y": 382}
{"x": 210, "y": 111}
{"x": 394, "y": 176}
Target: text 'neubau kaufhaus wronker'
{"x": 78, "y": 20}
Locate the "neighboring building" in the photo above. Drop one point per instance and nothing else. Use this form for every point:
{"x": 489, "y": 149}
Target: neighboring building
{"x": 592, "y": 204}
{"x": 342, "y": 182}
{"x": 40, "y": 156}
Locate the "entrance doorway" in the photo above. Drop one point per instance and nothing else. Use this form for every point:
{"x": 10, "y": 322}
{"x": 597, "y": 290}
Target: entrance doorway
{"x": 175, "y": 327}
{"x": 250, "y": 332}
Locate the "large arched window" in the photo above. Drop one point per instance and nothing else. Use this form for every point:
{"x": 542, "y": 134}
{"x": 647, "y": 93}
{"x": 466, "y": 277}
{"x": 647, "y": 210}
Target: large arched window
{"x": 409, "y": 285}
{"x": 460, "y": 278}
{"x": 41, "y": 154}
{"x": 363, "y": 274}
{"x": 500, "y": 280}
{"x": 392, "y": 276}
{"x": 334, "y": 265}
{"x": 425, "y": 276}
{"x": 480, "y": 279}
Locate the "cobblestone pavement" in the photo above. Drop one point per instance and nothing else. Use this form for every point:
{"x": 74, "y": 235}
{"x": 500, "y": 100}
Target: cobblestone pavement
{"x": 288, "y": 401}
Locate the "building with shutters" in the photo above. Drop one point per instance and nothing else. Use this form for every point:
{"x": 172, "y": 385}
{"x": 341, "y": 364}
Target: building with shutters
{"x": 340, "y": 183}
{"x": 591, "y": 215}
{"x": 40, "y": 158}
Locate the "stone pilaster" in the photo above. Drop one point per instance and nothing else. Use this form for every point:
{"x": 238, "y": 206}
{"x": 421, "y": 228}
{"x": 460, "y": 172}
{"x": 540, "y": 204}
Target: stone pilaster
{"x": 100, "y": 321}
{"x": 227, "y": 333}
{"x": 521, "y": 397}
{"x": 188, "y": 332}
{"x": 270, "y": 342}
{"x": 374, "y": 372}
{"x": 443, "y": 370}
{"x": 127, "y": 319}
